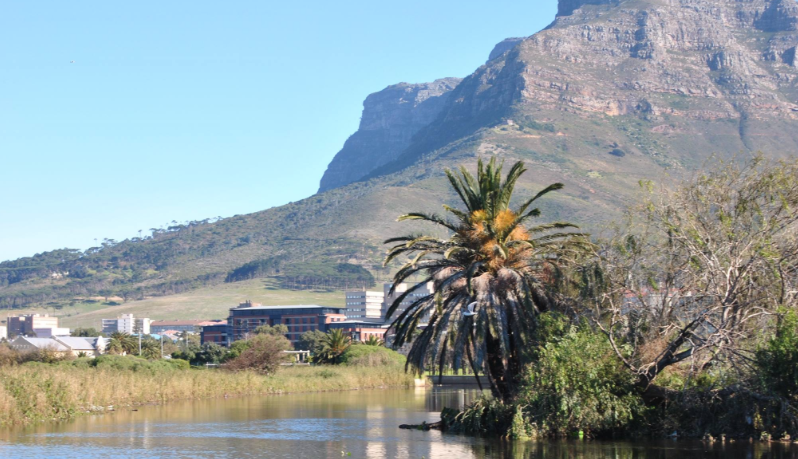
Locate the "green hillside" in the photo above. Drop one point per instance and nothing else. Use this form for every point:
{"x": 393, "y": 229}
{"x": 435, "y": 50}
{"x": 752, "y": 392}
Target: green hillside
{"x": 210, "y": 303}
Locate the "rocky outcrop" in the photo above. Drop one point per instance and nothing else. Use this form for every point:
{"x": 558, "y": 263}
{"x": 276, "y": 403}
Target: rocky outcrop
{"x": 390, "y": 119}
{"x": 503, "y": 46}
{"x": 567, "y": 7}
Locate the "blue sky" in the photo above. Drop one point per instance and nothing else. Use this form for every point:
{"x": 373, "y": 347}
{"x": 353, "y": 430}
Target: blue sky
{"x": 185, "y": 110}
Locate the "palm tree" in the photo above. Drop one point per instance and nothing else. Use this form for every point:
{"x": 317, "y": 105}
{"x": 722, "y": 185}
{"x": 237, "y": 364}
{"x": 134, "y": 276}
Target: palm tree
{"x": 335, "y": 343}
{"x": 122, "y": 343}
{"x": 490, "y": 277}
{"x": 374, "y": 341}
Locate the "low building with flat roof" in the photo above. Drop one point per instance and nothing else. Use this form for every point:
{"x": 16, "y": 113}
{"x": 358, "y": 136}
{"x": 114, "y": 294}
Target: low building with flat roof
{"x": 191, "y": 326}
{"x": 361, "y": 330}
{"x": 50, "y": 332}
{"x": 29, "y": 344}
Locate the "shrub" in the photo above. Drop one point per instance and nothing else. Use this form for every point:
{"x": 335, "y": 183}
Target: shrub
{"x": 777, "y": 360}
{"x": 8, "y": 356}
{"x": 578, "y": 384}
{"x": 264, "y": 354}
{"x": 486, "y": 416}
{"x": 371, "y": 356}
{"x": 179, "y": 364}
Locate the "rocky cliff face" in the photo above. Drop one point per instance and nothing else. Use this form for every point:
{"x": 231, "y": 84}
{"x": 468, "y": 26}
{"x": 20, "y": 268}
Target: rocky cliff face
{"x": 390, "y": 119}
{"x": 504, "y": 46}
{"x": 694, "y": 77}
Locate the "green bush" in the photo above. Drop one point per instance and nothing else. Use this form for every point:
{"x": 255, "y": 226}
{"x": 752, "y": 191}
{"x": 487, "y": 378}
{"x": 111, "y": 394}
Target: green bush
{"x": 371, "y": 356}
{"x": 578, "y": 384}
{"x": 179, "y": 364}
{"x": 777, "y": 360}
{"x": 131, "y": 363}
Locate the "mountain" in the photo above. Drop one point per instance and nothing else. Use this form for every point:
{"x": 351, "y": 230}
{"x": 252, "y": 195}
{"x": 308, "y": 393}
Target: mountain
{"x": 613, "y": 91}
{"x": 390, "y": 119}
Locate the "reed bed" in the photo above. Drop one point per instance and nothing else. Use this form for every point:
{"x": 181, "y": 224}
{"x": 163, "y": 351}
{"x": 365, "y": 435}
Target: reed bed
{"x": 34, "y": 393}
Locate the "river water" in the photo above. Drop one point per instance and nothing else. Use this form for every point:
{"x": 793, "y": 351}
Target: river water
{"x": 357, "y": 424}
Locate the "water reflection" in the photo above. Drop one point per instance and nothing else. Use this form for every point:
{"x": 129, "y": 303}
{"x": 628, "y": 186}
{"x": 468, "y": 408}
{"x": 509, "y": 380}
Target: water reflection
{"x": 363, "y": 423}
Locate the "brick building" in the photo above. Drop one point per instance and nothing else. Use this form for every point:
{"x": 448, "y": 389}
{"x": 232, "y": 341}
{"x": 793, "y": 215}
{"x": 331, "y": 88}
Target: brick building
{"x": 248, "y": 316}
{"x": 361, "y": 330}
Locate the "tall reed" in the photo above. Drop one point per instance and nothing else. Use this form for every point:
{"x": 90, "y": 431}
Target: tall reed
{"x": 36, "y": 392}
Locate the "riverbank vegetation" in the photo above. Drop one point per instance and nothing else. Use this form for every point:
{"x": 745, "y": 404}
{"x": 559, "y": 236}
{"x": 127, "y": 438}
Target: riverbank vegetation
{"x": 680, "y": 320}
{"x": 38, "y": 392}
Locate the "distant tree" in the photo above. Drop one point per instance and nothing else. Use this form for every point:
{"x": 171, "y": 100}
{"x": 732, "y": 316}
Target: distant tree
{"x": 374, "y": 341}
{"x": 312, "y": 341}
{"x": 277, "y": 330}
{"x": 264, "y": 354}
{"x": 122, "y": 343}
{"x": 236, "y": 349}
{"x": 150, "y": 348}
{"x": 210, "y": 353}
{"x": 336, "y": 342}
{"x": 86, "y": 332}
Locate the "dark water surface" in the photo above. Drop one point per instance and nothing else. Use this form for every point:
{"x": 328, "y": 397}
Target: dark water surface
{"x": 357, "y": 424}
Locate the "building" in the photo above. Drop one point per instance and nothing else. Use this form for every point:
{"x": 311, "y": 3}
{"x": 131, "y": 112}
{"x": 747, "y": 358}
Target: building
{"x": 29, "y": 344}
{"x": 50, "y": 332}
{"x": 190, "y": 326}
{"x": 373, "y": 306}
{"x": 88, "y": 347}
{"x": 361, "y": 330}
{"x": 419, "y": 293}
{"x": 26, "y": 325}
{"x": 216, "y": 334}
{"x": 364, "y": 304}
{"x": 299, "y": 319}
{"x": 126, "y": 323}
{"x": 3, "y": 332}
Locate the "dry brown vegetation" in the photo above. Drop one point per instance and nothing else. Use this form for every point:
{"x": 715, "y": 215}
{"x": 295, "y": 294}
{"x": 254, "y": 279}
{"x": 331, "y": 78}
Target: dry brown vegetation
{"x": 33, "y": 393}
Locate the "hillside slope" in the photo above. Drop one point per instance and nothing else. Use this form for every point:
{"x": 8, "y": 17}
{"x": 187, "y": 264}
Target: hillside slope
{"x": 610, "y": 93}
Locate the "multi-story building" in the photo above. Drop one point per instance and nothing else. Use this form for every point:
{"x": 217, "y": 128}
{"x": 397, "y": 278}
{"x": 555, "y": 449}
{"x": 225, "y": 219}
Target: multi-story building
{"x": 126, "y": 323}
{"x": 26, "y": 325}
{"x": 364, "y": 305}
{"x": 248, "y": 316}
{"x": 373, "y": 306}
{"x": 299, "y": 319}
{"x": 191, "y": 326}
{"x": 419, "y": 293}
{"x": 216, "y": 333}
{"x": 3, "y": 332}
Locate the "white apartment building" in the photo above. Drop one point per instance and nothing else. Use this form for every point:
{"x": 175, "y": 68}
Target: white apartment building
{"x": 364, "y": 304}
{"x": 126, "y": 323}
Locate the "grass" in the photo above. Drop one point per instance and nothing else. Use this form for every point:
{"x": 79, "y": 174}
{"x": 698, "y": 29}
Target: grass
{"x": 204, "y": 303}
{"x": 34, "y": 393}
